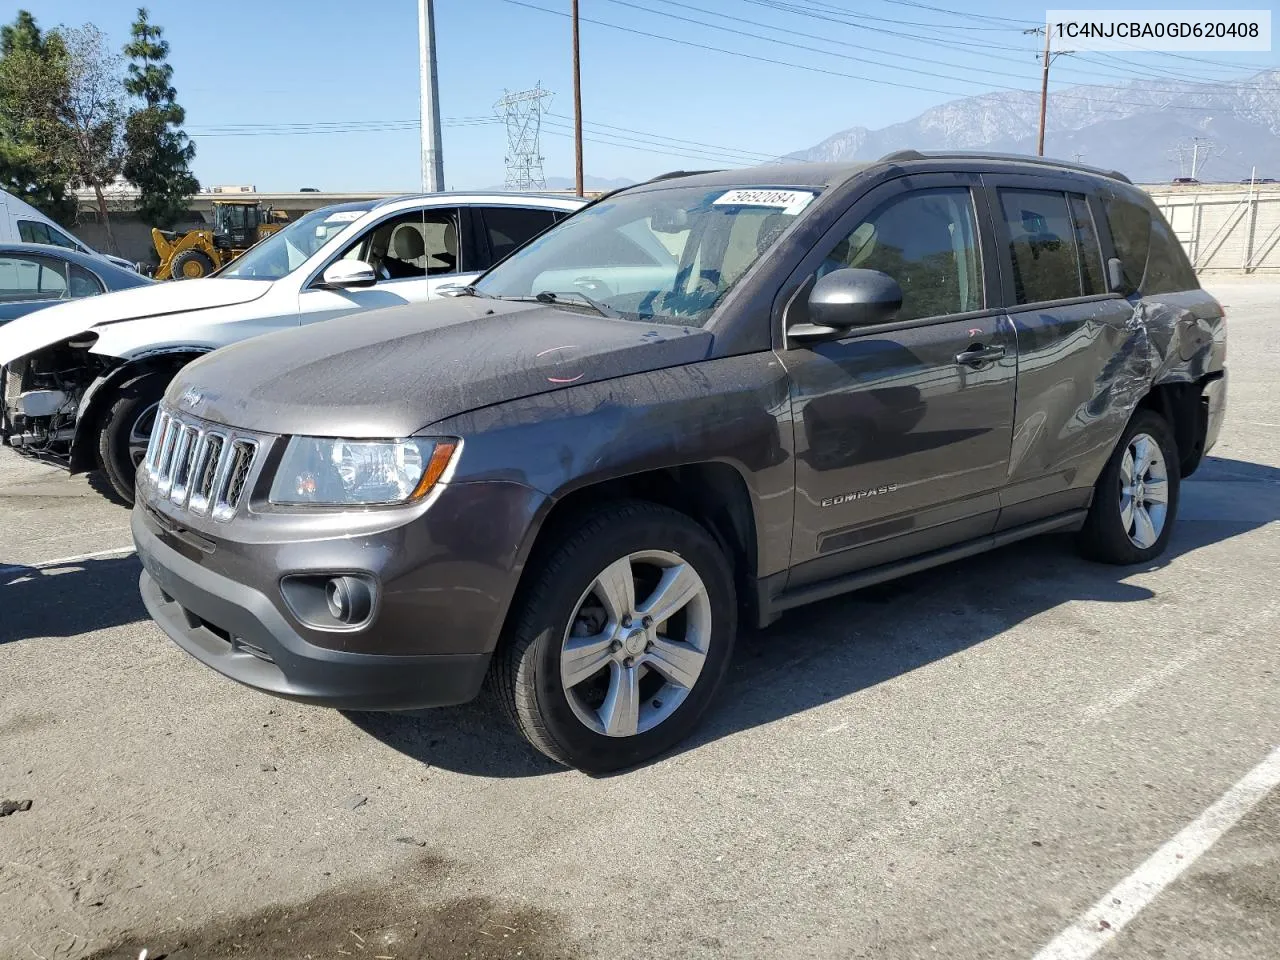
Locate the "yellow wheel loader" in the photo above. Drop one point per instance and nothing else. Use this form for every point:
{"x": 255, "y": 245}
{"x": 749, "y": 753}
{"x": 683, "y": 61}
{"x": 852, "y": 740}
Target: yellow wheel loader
{"x": 237, "y": 225}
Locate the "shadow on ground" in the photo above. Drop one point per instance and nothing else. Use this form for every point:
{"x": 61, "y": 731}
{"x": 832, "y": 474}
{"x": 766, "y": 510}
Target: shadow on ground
{"x": 69, "y": 599}
{"x": 838, "y": 647}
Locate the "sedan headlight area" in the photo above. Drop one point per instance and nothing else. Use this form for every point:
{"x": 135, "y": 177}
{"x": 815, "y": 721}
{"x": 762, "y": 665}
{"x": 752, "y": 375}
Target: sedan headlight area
{"x": 328, "y": 471}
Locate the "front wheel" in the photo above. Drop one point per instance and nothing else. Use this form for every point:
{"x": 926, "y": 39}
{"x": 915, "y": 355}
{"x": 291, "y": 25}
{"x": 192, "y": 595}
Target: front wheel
{"x": 621, "y": 640}
{"x": 1135, "y": 499}
{"x": 125, "y": 431}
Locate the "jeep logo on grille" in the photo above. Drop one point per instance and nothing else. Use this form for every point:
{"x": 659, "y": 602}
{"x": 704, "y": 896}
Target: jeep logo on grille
{"x": 191, "y": 398}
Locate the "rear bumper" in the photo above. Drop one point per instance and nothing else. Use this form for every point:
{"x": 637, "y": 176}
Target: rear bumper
{"x": 236, "y": 630}
{"x": 1215, "y": 396}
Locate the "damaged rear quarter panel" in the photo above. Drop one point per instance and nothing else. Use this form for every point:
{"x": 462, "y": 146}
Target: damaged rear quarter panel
{"x": 1083, "y": 369}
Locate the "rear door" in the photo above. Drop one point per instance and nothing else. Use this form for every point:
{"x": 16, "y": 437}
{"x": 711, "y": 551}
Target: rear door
{"x": 413, "y": 253}
{"x": 902, "y": 430}
{"x": 1070, "y": 332}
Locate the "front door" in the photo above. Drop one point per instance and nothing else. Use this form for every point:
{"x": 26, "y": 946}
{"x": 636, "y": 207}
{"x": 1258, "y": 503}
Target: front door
{"x": 413, "y": 254}
{"x": 903, "y": 429}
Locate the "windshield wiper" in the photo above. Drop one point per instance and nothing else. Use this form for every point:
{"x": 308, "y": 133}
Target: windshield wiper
{"x": 547, "y": 296}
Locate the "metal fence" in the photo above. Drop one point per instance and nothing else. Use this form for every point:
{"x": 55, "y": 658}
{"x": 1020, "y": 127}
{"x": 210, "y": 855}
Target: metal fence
{"x": 1226, "y": 229}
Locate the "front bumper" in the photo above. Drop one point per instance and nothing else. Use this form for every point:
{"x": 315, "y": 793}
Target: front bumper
{"x": 238, "y": 631}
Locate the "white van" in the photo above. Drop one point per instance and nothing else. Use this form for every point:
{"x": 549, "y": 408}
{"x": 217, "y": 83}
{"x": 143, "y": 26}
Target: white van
{"x": 22, "y": 223}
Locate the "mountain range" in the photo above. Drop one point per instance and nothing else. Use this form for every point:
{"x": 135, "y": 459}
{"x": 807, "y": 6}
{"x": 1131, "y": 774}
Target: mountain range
{"x": 1143, "y": 128}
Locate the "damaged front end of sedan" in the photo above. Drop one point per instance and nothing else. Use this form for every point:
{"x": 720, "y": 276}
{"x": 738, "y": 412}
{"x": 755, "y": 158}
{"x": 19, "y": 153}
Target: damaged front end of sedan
{"x": 44, "y": 393}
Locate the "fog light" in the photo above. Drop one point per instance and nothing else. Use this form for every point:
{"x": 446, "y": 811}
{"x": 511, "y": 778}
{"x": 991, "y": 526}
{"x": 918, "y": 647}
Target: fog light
{"x": 331, "y": 601}
{"x": 349, "y": 599}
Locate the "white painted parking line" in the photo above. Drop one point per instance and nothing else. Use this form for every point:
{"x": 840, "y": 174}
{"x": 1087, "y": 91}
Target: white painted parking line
{"x": 1106, "y": 918}
{"x": 65, "y": 561}
{"x": 1239, "y": 629}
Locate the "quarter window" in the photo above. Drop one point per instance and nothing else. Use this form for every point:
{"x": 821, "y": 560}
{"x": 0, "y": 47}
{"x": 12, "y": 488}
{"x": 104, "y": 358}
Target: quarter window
{"x": 1153, "y": 259}
{"x": 928, "y": 242}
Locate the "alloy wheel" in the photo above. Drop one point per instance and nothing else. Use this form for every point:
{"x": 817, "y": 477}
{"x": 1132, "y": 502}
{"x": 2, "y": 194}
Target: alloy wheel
{"x": 1144, "y": 490}
{"x": 636, "y": 643}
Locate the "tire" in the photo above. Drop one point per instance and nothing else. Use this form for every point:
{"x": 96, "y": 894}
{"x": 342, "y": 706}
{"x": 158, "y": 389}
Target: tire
{"x": 1114, "y": 531}
{"x": 199, "y": 263}
{"x": 124, "y": 430}
{"x": 567, "y": 720}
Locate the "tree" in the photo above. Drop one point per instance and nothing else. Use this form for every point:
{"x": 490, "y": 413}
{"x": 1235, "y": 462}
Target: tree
{"x": 33, "y": 88}
{"x": 94, "y": 114}
{"x": 158, "y": 153}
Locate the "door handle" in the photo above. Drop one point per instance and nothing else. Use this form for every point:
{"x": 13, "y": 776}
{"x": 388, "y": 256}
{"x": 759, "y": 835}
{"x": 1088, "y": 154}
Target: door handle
{"x": 979, "y": 354}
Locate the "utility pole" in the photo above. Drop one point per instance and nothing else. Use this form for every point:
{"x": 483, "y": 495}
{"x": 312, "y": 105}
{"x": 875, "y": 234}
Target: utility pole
{"x": 577, "y": 106}
{"x": 432, "y": 158}
{"x": 1044, "y": 92}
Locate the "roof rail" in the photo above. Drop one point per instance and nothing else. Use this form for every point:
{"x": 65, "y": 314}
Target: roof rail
{"x": 673, "y": 174}
{"x": 902, "y": 155}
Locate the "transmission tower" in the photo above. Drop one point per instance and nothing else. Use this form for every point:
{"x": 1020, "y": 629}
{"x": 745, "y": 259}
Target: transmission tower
{"x": 1197, "y": 151}
{"x": 522, "y": 111}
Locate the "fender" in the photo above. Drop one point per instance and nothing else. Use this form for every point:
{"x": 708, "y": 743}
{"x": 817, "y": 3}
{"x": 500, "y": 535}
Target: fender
{"x": 98, "y": 396}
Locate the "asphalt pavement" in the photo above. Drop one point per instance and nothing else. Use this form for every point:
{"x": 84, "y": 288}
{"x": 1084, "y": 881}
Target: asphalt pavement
{"x": 972, "y": 762}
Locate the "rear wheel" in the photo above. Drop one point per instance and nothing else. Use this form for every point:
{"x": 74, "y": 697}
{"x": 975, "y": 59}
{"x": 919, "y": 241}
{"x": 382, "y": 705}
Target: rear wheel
{"x": 622, "y": 639}
{"x": 1135, "y": 500}
{"x": 192, "y": 265}
{"x": 125, "y": 431}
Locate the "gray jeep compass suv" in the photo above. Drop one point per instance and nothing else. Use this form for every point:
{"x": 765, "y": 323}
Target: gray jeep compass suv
{"x": 700, "y": 400}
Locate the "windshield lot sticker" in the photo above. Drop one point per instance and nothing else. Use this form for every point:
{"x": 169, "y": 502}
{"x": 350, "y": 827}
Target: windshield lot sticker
{"x": 345, "y": 216}
{"x": 791, "y": 202}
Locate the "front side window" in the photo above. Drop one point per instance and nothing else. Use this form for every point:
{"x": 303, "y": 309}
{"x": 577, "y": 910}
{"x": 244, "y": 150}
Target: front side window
{"x": 31, "y": 278}
{"x": 283, "y": 252}
{"x": 410, "y": 246}
{"x": 668, "y": 254}
{"x": 1042, "y": 245}
{"x": 927, "y": 241}
{"x": 32, "y": 231}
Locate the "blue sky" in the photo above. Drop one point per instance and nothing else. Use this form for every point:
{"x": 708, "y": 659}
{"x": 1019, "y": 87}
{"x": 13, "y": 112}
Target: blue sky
{"x": 288, "y": 94}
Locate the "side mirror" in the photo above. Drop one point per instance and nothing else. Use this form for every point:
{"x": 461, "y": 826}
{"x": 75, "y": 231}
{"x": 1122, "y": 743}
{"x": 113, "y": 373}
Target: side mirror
{"x": 345, "y": 274}
{"x": 1115, "y": 276}
{"x": 848, "y": 298}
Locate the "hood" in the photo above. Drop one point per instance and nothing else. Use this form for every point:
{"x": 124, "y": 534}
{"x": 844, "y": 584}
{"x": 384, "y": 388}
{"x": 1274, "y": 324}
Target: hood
{"x": 389, "y": 373}
{"x": 54, "y": 324}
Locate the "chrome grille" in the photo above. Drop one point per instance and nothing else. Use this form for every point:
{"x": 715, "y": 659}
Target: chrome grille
{"x": 198, "y": 466}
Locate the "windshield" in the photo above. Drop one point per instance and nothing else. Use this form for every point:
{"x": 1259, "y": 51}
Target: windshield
{"x": 283, "y": 252}
{"x": 667, "y": 255}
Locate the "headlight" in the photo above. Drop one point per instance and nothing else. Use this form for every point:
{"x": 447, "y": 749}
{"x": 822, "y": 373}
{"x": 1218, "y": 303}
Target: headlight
{"x": 336, "y": 472}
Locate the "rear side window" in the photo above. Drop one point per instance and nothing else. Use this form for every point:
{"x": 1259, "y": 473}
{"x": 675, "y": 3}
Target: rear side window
{"x": 31, "y": 278}
{"x": 1087, "y": 242}
{"x": 1042, "y": 245}
{"x": 512, "y": 227}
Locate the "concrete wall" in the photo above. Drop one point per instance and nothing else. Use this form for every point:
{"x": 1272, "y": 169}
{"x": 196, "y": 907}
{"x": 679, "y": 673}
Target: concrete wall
{"x": 1226, "y": 229}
